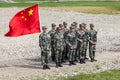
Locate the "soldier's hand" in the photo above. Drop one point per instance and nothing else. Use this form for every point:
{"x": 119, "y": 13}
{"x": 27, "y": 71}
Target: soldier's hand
{"x": 42, "y": 49}
{"x": 70, "y": 45}
{"x": 81, "y": 41}
{"x": 92, "y": 42}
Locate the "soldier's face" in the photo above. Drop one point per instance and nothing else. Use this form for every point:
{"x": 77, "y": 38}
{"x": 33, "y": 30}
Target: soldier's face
{"x": 59, "y": 31}
{"x": 44, "y": 30}
{"x": 72, "y": 29}
{"x": 82, "y": 28}
{"x": 62, "y": 27}
{"x": 76, "y": 26}
{"x": 92, "y": 27}
{"x": 54, "y": 27}
{"x": 65, "y": 26}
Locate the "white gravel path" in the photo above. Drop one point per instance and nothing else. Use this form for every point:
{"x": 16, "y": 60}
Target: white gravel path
{"x": 20, "y": 56}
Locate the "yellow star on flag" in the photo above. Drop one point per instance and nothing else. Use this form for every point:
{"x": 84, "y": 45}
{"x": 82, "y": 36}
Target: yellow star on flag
{"x": 30, "y": 12}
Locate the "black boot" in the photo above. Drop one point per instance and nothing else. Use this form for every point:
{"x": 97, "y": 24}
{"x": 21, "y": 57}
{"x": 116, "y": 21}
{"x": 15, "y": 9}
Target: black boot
{"x": 76, "y": 60}
{"x": 81, "y": 62}
{"x": 92, "y": 60}
{"x": 44, "y": 67}
{"x": 57, "y": 65}
{"x": 47, "y": 67}
{"x": 60, "y": 65}
{"x": 86, "y": 58}
{"x": 73, "y": 63}
{"x": 70, "y": 63}
{"x": 84, "y": 61}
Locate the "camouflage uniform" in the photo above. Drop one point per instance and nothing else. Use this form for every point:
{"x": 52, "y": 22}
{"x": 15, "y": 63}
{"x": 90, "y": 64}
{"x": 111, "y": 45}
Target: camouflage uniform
{"x": 92, "y": 43}
{"x": 82, "y": 45}
{"x": 86, "y": 39}
{"x": 71, "y": 40}
{"x": 76, "y": 33}
{"x": 59, "y": 43}
{"x": 52, "y": 33}
{"x": 45, "y": 45}
{"x": 65, "y": 50}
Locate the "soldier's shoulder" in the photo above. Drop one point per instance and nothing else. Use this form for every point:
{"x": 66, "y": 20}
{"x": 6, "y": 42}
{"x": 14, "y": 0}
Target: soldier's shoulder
{"x": 50, "y": 31}
{"x": 41, "y": 34}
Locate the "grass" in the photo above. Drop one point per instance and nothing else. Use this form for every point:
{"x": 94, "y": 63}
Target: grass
{"x": 107, "y": 75}
{"x": 115, "y": 5}
{"x": 79, "y": 6}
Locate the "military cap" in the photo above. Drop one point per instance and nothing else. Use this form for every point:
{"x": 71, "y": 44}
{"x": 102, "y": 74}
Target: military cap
{"x": 75, "y": 23}
{"x": 72, "y": 27}
{"x": 72, "y": 24}
{"x": 92, "y": 25}
{"x": 53, "y": 24}
{"x": 44, "y": 27}
{"x": 60, "y": 25}
{"x": 58, "y": 28}
{"x": 64, "y": 23}
{"x": 83, "y": 24}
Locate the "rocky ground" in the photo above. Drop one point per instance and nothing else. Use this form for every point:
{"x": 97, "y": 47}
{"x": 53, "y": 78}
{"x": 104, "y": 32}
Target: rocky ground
{"x": 20, "y": 56}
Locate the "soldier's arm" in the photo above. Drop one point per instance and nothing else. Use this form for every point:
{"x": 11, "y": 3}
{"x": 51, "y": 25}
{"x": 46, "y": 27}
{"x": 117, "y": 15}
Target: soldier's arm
{"x": 95, "y": 37}
{"x": 40, "y": 41}
{"x": 67, "y": 41}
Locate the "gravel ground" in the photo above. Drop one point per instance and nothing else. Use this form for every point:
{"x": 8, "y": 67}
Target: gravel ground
{"x": 20, "y": 56}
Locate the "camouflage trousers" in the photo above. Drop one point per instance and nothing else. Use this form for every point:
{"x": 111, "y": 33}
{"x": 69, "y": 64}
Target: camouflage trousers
{"x": 65, "y": 53}
{"x": 92, "y": 49}
{"x": 44, "y": 57}
{"x": 52, "y": 51}
{"x": 82, "y": 50}
{"x": 77, "y": 52}
{"x": 85, "y": 48}
{"x": 58, "y": 55}
{"x": 72, "y": 54}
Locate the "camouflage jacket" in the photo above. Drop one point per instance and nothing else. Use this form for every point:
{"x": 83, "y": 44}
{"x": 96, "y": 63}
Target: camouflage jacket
{"x": 45, "y": 41}
{"x": 51, "y": 33}
{"x": 83, "y": 36}
{"x": 59, "y": 41}
{"x": 71, "y": 40}
{"x": 86, "y": 36}
{"x": 93, "y": 35}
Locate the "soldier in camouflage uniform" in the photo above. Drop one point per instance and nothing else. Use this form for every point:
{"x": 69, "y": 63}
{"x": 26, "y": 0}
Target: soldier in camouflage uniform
{"x": 76, "y": 32}
{"x": 71, "y": 40}
{"x": 81, "y": 43}
{"x": 52, "y": 32}
{"x": 59, "y": 43}
{"x": 86, "y": 37}
{"x": 92, "y": 42}
{"x": 62, "y": 28}
{"x": 45, "y": 45}
{"x": 65, "y": 50}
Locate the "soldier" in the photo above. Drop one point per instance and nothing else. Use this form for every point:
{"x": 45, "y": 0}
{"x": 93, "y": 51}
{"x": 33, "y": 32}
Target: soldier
{"x": 44, "y": 43}
{"x": 92, "y": 42}
{"x": 65, "y": 51}
{"x": 59, "y": 43}
{"x": 81, "y": 43}
{"x": 86, "y": 37}
{"x": 71, "y": 40}
{"x": 52, "y": 32}
{"x": 62, "y": 28}
{"x": 76, "y": 32}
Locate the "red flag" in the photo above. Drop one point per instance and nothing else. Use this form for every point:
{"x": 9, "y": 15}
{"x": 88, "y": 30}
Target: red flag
{"x": 25, "y": 22}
